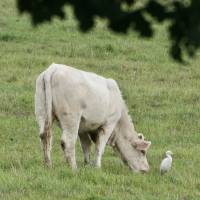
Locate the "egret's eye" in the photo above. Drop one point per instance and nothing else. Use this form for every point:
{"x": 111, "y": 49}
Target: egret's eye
{"x": 143, "y": 152}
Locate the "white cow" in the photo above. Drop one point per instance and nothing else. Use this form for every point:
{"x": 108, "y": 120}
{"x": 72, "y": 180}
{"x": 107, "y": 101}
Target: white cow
{"x": 90, "y": 106}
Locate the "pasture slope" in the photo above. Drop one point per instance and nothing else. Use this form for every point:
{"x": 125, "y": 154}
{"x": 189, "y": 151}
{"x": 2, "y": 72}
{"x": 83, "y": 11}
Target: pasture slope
{"x": 163, "y": 98}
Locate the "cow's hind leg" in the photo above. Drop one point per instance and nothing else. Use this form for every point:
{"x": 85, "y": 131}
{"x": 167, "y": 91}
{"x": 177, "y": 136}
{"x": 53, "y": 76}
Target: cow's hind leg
{"x": 46, "y": 141}
{"x": 86, "y": 146}
{"x": 70, "y": 126}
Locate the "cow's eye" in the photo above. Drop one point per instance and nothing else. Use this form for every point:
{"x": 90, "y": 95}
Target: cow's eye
{"x": 143, "y": 152}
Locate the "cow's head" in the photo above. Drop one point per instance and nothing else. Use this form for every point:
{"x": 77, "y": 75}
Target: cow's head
{"x": 140, "y": 147}
{"x": 133, "y": 152}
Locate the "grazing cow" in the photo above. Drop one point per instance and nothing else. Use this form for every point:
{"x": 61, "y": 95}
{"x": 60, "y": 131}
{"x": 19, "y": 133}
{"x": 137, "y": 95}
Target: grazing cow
{"x": 88, "y": 106}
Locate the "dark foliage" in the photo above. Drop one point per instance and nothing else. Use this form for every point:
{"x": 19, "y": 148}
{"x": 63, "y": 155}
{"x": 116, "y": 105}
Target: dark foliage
{"x": 184, "y": 17}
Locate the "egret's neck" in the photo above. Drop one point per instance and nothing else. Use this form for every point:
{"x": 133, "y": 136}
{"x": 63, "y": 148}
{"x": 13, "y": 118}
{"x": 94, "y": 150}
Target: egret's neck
{"x": 169, "y": 156}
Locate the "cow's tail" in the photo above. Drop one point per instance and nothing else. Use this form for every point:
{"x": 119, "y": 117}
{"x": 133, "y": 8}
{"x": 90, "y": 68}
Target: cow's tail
{"x": 43, "y": 111}
{"x": 43, "y": 102}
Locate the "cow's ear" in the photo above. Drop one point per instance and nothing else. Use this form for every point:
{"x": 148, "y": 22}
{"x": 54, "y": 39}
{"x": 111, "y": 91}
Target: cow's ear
{"x": 142, "y": 145}
{"x": 141, "y": 136}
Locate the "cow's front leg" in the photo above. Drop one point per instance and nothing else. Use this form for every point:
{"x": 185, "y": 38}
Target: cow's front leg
{"x": 102, "y": 139}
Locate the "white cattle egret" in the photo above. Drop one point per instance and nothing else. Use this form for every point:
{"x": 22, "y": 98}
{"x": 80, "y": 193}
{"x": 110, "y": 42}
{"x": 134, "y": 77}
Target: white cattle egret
{"x": 166, "y": 163}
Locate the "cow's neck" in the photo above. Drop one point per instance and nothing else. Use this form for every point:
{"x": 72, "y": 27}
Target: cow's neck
{"x": 124, "y": 128}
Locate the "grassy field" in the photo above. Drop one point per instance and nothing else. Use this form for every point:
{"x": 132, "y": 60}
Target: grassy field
{"x": 163, "y": 98}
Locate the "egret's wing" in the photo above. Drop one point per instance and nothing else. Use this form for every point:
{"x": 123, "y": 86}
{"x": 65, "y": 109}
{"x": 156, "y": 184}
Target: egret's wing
{"x": 165, "y": 165}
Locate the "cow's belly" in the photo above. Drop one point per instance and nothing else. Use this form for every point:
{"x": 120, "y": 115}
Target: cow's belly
{"x": 88, "y": 126}
{"x": 93, "y": 117}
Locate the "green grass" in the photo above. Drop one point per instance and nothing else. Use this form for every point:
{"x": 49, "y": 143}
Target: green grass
{"x": 163, "y": 98}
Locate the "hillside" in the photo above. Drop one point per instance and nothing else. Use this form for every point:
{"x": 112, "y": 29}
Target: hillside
{"x": 162, "y": 96}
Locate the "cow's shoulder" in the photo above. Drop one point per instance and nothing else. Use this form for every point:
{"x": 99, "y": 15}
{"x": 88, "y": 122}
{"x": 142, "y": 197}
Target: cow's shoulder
{"x": 112, "y": 84}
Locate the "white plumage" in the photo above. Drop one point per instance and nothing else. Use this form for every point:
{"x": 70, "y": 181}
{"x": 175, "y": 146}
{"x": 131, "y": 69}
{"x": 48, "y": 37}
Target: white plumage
{"x": 166, "y": 163}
